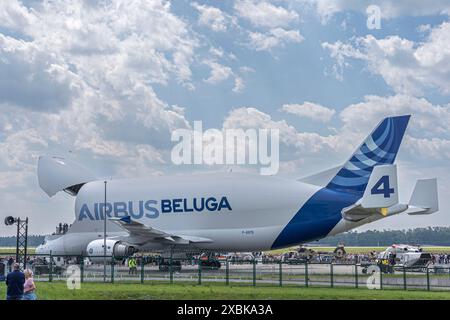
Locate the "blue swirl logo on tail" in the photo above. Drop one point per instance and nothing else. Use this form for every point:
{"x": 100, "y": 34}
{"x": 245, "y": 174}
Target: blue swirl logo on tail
{"x": 380, "y": 147}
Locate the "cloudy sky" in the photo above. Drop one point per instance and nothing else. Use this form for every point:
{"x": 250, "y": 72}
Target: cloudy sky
{"x": 105, "y": 83}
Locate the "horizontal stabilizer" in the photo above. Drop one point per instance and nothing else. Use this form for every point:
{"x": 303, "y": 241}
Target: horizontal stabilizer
{"x": 424, "y": 199}
{"x": 357, "y": 213}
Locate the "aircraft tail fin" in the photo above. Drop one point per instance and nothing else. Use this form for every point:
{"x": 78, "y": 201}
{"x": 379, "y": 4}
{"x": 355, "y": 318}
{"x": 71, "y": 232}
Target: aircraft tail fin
{"x": 379, "y": 148}
{"x": 382, "y": 190}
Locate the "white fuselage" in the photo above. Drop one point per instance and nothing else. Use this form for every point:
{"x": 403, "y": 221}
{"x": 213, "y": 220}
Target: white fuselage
{"x": 257, "y": 210}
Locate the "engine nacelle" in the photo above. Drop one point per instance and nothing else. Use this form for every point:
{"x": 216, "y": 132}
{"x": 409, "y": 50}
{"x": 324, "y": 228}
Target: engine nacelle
{"x": 114, "y": 248}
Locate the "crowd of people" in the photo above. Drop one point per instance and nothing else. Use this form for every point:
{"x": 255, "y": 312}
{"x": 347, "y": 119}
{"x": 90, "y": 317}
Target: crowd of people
{"x": 9, "y": 261}
{"x": 440, "y": 259}
{"x": 21, "y": 286}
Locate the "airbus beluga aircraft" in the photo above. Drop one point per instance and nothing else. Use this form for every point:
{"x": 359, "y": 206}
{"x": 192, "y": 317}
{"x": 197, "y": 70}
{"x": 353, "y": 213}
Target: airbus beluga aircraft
{"x": 232, "y": 211}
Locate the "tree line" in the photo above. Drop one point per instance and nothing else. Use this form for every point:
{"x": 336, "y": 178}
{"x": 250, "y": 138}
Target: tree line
{"x": 33, "y": 241}
{"x": 438, "y": 236}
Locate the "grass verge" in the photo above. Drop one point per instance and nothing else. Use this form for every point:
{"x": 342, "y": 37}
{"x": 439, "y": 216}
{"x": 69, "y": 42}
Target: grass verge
{"x": 124, "y": 291}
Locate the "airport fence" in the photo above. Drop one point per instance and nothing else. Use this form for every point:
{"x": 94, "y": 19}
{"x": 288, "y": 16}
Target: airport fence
{"x": 290, "y": 273}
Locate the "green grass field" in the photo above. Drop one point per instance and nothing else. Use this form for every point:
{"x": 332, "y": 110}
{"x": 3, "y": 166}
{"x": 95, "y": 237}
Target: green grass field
{"x": 10, "y": 250}
{"x": 122, "y": 291}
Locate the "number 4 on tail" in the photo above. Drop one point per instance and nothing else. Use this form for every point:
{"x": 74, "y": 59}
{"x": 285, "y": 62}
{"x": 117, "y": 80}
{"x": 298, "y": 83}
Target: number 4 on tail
{"x": 382, "y": 187}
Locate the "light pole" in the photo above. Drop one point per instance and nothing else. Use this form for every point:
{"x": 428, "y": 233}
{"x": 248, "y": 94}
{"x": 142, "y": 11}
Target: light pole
{"x": 104, "y": 238}
{"x": 21, "y": 238}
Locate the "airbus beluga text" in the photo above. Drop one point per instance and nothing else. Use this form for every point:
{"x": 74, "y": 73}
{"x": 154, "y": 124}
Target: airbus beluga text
{"x": 233, "y": 211}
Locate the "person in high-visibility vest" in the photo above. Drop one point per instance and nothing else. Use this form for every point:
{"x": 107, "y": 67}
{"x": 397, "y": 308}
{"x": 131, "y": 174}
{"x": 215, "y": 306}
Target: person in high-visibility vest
{"x": 132, "y": 265}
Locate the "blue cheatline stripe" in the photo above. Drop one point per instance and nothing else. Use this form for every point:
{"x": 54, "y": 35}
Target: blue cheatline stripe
{"x": 316, "y": 218}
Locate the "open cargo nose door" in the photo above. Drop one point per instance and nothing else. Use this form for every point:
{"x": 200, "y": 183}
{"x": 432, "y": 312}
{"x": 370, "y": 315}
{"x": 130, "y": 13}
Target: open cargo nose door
{"x": 58, "y": 174}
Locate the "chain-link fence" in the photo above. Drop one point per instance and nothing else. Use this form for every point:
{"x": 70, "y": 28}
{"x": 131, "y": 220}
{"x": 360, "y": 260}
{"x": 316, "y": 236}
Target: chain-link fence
{"x": 234, "y": 272}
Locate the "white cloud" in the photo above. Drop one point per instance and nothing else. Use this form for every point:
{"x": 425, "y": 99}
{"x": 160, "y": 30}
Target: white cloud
{"x": 33, "y": 72}
{"x": 303, "y": 143}
{"x": 406, "y": 66}
{"x": 219, "y": 72}
{"x": 427, "y": 137}
{"x": 211, "y": 17}
{"x": 246, "y": 69}
{"x": 90, "y": 68}
{"x": 264, "y": 14}
{"x": 341, "y": 52}
{"x": 389, "y": 9}
{"x": 310, "y": 110}
{"x": 426, "y": 141}
{"x": 17, "y": 150}
{"x": 434, "y": 148}
{"x": 428, "y": 119}
{"x": 273, "y": 24}
{"x": 275, "y": 37}
{"x": 14, "y": 16}
{"x": 424, "y": 28}
{"x": 218, "y": 52}
{"x": 239, "y": 85}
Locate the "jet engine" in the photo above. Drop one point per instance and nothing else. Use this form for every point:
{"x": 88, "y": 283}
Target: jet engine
{"x": 114, "y": 248}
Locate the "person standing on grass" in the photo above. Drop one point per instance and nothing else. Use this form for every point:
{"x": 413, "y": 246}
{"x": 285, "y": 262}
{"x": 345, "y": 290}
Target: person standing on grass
{"x": 15, "y": 281}
{"x": 132, "y": 265}
{"x": 29, "y": 288}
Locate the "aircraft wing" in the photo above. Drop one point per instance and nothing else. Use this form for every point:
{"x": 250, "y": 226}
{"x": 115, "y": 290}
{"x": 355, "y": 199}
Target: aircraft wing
{"x": 139, "y": 234}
